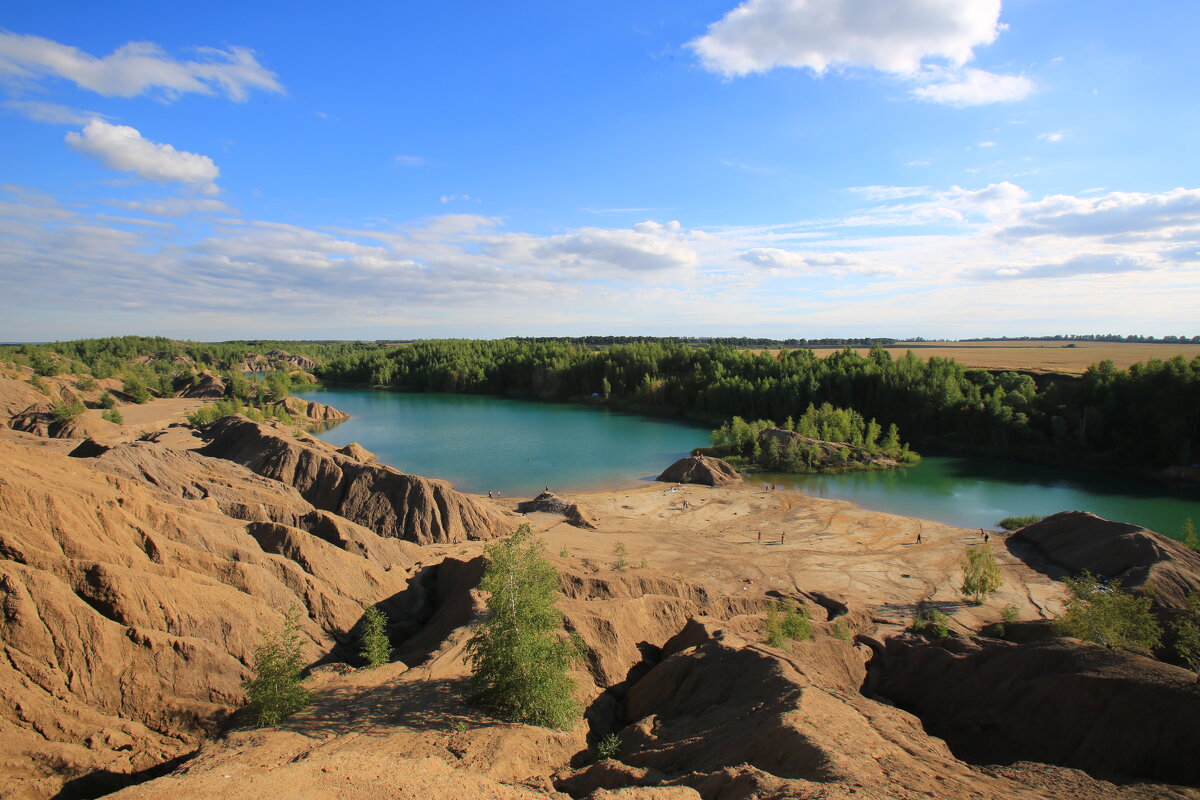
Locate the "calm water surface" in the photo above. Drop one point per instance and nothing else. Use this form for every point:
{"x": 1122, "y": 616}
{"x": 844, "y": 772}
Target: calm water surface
{"x": 517, "y": 447}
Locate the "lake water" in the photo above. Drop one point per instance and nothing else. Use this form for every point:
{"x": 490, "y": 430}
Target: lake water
{"x": 518, "y": 447}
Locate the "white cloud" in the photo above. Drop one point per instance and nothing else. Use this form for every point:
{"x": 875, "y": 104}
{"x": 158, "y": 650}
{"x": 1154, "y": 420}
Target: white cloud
{"x": 1111, "y": 215}
{"x": 1052, "y": 137}
{"x": 1128, "y": 257}
{"x": 136, "y": 68}
{"x": 1084, "y": 264}
{"x": 647, "y": 247}
{"x": 837, "y": 264}
{"x": 974, "y": 87}
{"x": 408, "y": 161}
{"x": 51, "y": 113}
{"x": 924, "y": 41}
{"x": 123, "y": 148}
{"x": 178, "y": 206}
{"x": 877, "y": 192}
{"x": 893, "y": 36}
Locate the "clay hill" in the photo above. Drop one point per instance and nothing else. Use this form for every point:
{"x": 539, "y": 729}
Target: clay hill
{"x": 137, "y": 579}
{"x": 701, "y": 469}
{"x": 1135, "y": 557}
{"x": 383, "y": 499}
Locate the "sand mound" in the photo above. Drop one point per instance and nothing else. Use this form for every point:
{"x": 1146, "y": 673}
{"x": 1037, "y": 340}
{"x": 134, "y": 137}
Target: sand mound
{"x": 205, "y": 386}
{"x": 701, "y": 469}
{"x": 1077, "y": 541}
{"x": 550, "y": 503}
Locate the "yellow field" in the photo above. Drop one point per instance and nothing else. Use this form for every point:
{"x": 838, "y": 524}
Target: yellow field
{"x": 1038, "y": 356}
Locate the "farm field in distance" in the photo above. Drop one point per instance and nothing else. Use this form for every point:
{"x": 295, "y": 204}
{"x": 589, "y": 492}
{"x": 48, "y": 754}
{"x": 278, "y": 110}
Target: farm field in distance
{"x": 1036, "y": 355}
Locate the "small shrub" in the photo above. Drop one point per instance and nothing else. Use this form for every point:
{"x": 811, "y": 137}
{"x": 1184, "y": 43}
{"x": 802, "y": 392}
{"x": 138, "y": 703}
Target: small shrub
{"x": 1014, "y": 523}
{"x": 137, "y": 390}
{"x": 1187, "y": 631}
{"x": 608, "y": 746}
{"x": 1188, "y": 536}
{"x": 461, "y": 726}
{"x": 63, "y": 411}
{"x": 644, "y": 564}
{"x": 275, "y": 690}
{"x": 981, "y": 573}
{"x": 564, "y": 553}
{"x": 1010, "y": 613}
{"x": 376, "y": 647}
{"x": 998, "y": 630}
{"x": 113, "y": 416}
{"x": 621, "y": 563}
{"x": 785, "y": 623}
{"x": 107, "y": 400}
{"x": 85, "y": 383}
{"x": 931, "y": 622}
{"x": 619, "y": 549}
{"x": 39, "y": 385}
{"x": 841, "y": 630}
{"x": 1108, "y": 616}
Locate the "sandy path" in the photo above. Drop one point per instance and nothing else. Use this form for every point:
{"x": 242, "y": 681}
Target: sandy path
{"x": 867, "y": 558}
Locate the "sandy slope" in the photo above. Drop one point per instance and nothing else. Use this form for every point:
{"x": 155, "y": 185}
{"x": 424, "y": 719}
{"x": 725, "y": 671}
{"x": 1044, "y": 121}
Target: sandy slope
{"x": 865, "y": 558}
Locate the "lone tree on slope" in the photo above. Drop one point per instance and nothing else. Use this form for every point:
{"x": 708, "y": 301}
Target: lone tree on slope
{"x": 520, "y": 656}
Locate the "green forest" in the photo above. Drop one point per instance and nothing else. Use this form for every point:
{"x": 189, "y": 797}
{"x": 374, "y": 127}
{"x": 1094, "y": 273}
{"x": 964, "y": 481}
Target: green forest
{"x": 1146, "y": 417}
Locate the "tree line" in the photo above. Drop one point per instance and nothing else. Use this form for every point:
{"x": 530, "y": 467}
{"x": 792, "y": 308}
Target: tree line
{"x": 1145, "y": 417}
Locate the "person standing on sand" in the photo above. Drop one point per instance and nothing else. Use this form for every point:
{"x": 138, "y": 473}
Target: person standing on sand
{"x": 781, "y": 537}
{"x": 760, "y": 537}
{"x": 918, "y": 537}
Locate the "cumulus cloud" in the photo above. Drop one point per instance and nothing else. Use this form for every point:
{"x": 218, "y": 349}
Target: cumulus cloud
{"x": 975, "y": 87}
{"x": 136, "y": 68}
{"x": 1053, "y": 137}
{"x": 897, "y": 37}
{"x": 893, "y": 36}
{"x": 123, "y": 148}
{"x": 408, "y": 161}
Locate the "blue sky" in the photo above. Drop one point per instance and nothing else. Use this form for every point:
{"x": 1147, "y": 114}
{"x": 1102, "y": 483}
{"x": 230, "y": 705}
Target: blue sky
{"x": 936, "y": 168}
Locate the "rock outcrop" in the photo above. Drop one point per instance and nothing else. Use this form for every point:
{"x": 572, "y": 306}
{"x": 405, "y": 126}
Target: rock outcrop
{"x": 357, "y": 452}
{"x": 550, "y": 503}
{"x": 387, "y": 501}
{"x": 1059, "y": 701}
{"x": 312, "y": 411}
{"x": 1137, "y": 557}
{"x": 701, "y": 469}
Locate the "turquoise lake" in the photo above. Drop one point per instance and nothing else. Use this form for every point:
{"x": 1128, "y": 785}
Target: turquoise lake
{"x": 518, "y": 447}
